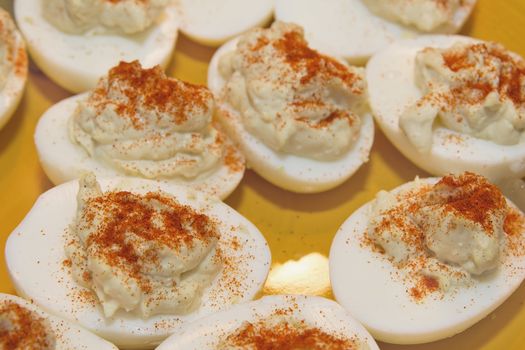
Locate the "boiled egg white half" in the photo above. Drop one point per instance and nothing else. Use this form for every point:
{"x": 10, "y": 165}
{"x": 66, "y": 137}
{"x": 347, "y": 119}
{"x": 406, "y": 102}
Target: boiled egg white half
{"x": 67, "y": 335}
{"x": 288, "y": 171}
{"x": 15, "y": 81}
{"x": 374, "y": 291}
{"x": 347, "y": 28}
{"x": 63, "y": 160}
{"x": 35, "y": 260}
{"x": 212, "y": 22}
{"x": 390, "y": 76}
{"x": 327, "y": 315}
{"x": 76, "y": 62}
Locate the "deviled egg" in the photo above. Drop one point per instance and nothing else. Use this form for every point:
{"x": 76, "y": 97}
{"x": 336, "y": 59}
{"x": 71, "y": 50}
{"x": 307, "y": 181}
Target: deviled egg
{"x": 452, "y": 104}
{"x": 300, "y": 118}
{"x": 429, "y": 259}
{"x": 132, "y": 259}
{"x": 75, "y": 42}
{"x": 274, "y": 322}
{"x": 138, "y": 122}
{"x": 213, "y": 22}
{"x": 24, "y": 326}
{"x": 13, "y": 67}
{"x": 356, "y": 29}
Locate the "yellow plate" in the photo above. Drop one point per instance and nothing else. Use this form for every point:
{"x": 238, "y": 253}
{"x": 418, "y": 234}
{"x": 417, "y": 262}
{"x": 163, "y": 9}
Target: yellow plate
{"x": 298, "y": 227}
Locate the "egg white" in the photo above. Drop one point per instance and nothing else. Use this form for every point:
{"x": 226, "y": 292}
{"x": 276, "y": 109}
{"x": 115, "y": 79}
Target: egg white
{"x": 35, "y": 255}
{"x": 12, "y": 92}
{"x": 67, "y": 335}
{"x": 76, "y": 62}
{"x": 291, "y": 172}
{"x": 63, "y": 160}
{"x": 371, "y": 289}
{"x": 347, "y": 28}
{"x": 391, "y": 87}
{"x": 206, "y": 333}
{"x": 212, "y": 22}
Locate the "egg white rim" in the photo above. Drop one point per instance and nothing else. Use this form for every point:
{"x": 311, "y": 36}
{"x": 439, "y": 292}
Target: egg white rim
{"x": 358, "y": 276}
{"x": 11, "y": 93}
{"x": 288, "y": 171}
{"x": 216, "y": 37}
{"x": 35, "y": 255}
{"x": 359, "y": 52}
{"x": 67, "y": 333}
{"x": 320, "y": 312}
{"x": 63, "y": 160}
{"x": 44, "y": 41}
{"x": 451, "y": 151}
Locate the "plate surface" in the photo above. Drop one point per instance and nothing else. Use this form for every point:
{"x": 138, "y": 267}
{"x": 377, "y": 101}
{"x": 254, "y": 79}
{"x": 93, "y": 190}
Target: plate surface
{"x": 298, "y": 227}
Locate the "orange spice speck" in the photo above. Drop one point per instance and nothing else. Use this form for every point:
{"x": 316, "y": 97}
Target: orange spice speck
{"x": 510, "y": 76}
{"x": 469, "y": 196}
{"x": 150, "y": 89}
{"x": 286, "y": 336}
{"x": 28, "y": 329}
{"x": 298, "y": 55}
{"x": 514, "y": 223}
{"x": 476, "y": 199}
{"x": 126, "y": 213}
{"x": 425, "y": 286}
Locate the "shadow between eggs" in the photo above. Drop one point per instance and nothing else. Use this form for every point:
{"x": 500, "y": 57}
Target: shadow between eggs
{"x": 194, "y": 50}
{"x": 394, "y": 160}
{"x": 11, "y": 129}
{"x": 469, "y": 24}
{"x": 46, "y": 87}
{"x": 303, "y": 202}
{"x": 52, "y": 93}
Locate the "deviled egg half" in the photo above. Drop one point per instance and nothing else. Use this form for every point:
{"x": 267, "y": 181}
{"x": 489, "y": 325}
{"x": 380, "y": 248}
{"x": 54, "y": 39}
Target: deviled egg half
{"x": 429, "y": 259}
{"x": 300, "y": 118}
{"x": 356, "y": 29}
{"x": 75, "y": 42}
{"x": 138, "y": 122}
{"x": 131, "y": 259}
{"x": 25, "y": 326}
{"x": 13, "y": 67}
{"x": 212, "y": 22}
{"x": 274, "y": 322}
{"x": 452, "y": 104}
